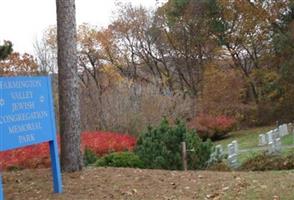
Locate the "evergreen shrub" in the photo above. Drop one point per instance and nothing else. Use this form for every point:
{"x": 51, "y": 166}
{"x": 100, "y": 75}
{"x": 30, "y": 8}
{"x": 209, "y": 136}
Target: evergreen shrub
{"x": 89, "y": 157}
{"x": 160, "y": 147}
{"x": 120, "y": 159}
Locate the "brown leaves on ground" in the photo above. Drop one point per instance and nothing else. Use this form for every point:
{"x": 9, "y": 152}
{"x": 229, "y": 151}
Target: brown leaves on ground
{"x": 119, "y": 183}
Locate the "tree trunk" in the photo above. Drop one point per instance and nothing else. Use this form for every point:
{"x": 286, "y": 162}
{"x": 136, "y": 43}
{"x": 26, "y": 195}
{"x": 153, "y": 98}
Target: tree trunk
{"x": 69, "y": 109}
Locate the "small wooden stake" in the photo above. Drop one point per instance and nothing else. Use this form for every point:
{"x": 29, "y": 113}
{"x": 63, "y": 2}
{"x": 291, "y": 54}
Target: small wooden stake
{"x": 184, "y": 155}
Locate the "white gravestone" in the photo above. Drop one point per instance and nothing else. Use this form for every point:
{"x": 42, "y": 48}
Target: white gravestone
{"x": 283, "y": 130}
{"x": 276, "y": 133}
{"x": 271, "y": 147}
{"x": 278, "y": 145}
{"x": 219, "y": 149}
{"x": 233, "y": 154}
{"x": 273, "y": 140}
{"x": 218, "y": 154}
{"x": 270, "y": 142}
{"x": 231, "y": 149}
{"x": 286, "y": 130}
{"x": 290, "y": 128}
{"x": 235, "y": 144}
{"x": 269, "y": 137}
{"x": 261, "y": 141}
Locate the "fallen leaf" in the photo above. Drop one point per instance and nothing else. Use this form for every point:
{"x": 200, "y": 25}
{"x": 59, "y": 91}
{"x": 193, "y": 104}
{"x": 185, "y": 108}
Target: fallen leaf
{"x": 226, "y": 188}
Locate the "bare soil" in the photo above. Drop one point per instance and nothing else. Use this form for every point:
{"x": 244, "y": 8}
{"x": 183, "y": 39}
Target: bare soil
{"x": 131, "y": 184}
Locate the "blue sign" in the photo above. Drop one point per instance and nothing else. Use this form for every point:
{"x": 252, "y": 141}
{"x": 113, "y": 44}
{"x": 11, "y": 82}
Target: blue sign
{"x": 27, "y": 118}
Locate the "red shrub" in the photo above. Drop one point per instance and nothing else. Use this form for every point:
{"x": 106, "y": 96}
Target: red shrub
{"x": 208, "y": 126}
{"x": 105, "y": 142}
{"x": 37, "y": 156}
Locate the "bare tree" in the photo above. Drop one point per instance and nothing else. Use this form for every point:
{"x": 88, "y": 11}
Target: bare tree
{"x": 46, "y": 57}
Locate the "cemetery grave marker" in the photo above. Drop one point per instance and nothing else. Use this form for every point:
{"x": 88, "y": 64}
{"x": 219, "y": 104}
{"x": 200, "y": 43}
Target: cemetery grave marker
{"x": 261, "y": 141}
{"x": 278, "y": 145}
{"x": 219, "y": 149}
{"x": 271, "y": 147}
{"x": 27, "y": 118}
{"x": 276, "y": 133}
{"x": 233, "y": 154}
{"x": 217, "y": 154}
{"x": 290, "y": 128}
{"x": 283, "y": 129}
{"x": 235, "y": 143}
{"x": 269, "y": 137}
{"x": 269, "y": 142}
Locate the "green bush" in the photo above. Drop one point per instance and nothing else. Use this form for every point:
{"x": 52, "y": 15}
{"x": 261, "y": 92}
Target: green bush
{"x": 120, "y": 159}
{"x": 89, "y": 157}
{"x": 160, "y": 147}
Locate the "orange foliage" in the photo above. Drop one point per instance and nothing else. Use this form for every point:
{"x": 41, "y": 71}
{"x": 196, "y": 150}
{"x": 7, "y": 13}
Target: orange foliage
{"x": 208, "y": 126}
{"x": 17, "y": 64}
{"x": 223, "y": 91}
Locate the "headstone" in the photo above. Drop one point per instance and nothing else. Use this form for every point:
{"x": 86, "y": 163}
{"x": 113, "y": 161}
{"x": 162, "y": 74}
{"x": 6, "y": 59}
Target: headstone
{"x": 27, "y": 118}
{"x": 270, "y": 142}
{"x": 276, "y": 133}
{"x": 236, "y": 147}
{"x": 290, "y": 128}
{"x": 269, "y": 137}
{"x": 280, "y": 130}
{"x": 283, "y": 130}
{"x": 219, "y": 149}
{"x": 261, "y": 141}
{"x": 217, "y": 155}
{"x": 271, "y": 147}
{"x": 278, "y": 145}
{"x": 273, "y": 141}
{"x": 231, "y": 149}
{"x": 285, "y": 126}
{"x": 233, "y": 154}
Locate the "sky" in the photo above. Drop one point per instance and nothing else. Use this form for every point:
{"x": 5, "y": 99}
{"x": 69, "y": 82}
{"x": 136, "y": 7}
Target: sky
{"x": 24, "y": 21}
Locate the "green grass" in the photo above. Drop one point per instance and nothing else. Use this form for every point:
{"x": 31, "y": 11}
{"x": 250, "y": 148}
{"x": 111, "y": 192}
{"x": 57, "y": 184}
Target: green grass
{"x": 245, "y": 138}
{"x": 249, "y": 139}
{"x": 288, "y": 140}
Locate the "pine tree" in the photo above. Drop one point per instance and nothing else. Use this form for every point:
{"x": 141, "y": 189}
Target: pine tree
{"x": 69, "y": 108}
{"x": 5, "y": 50}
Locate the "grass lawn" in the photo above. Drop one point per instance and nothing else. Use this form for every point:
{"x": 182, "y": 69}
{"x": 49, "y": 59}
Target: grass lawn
{"x": 248, "y": 139}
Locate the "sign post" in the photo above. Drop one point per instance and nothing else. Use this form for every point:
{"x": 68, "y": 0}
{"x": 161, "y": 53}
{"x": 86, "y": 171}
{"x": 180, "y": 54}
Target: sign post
{"x": 27, "y": 118}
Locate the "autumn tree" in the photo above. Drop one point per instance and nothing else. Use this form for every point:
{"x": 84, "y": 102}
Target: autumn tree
{"x": 128, "y": 31}
{"x": 244, "y": 29}
{"x": 96, "y": 72}
{"x": 172, "y": 48}
{"x": 215, "y": 95}
{"x": 71, "y": 157}
{"x": 45, "y": 51}
{"x": 283, "y": 42}
{"x": 190, "y": 41}
{"x": 153, "y": 47}
{"x": 18, "y": 64}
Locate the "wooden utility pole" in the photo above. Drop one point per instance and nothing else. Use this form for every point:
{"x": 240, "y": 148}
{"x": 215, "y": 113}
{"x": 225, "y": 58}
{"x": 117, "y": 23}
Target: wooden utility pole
{"x": 184, "y": 156}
